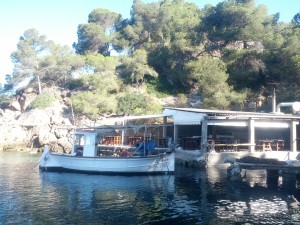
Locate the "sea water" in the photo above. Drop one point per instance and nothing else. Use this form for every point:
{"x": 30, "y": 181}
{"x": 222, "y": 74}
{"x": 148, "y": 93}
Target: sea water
{"x": 190, "y": 196}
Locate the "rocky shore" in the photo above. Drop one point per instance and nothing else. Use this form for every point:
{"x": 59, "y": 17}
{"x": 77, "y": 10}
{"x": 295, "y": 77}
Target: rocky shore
{"x": 32, "y": 129}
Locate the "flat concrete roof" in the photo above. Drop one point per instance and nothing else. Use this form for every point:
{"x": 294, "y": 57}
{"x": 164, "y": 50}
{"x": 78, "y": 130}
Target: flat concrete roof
{"x": 215, "y": 114}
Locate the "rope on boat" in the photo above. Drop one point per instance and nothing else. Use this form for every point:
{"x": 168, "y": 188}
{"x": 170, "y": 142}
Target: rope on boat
{"x": 45, "y": 159}
{"x": 36, "y": 164}
{"x": 157, "y": 161}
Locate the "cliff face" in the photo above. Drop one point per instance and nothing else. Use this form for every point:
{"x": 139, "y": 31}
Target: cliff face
{"x": 32, "y": 129}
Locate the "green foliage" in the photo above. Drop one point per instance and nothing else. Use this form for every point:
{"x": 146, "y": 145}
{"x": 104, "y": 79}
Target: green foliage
{"x": 42, "y": 101}
{"x": 31, "y": 49}
{"x": 100, "y": 63}
{"x": 247, "y": 70}
{"x": 42, "y": 60}
{"x": 137, "y": 104}
{"x": 283, "y": 63}
{"x": 5, "y": 100}
{"x": 100, "y": 83}
{"x": 160, "y": 87}
{"x": 104, "y": 18}
{"x": 210, "y": 75}
{"x": 135, "y": 68}
{"x": 74, "y": 84}
{"x": 98, "y": 88}
{"x": 131, "y": 103}
{"x": 296, "y": 19}
{"x": 98, "y": 98}
{"x": 93, "y": 37}
{"x": 92, "y": 104}
{"x": 177, "y": 42}
{"x": 227, "y": 53}
{"x": 236, "y": 20}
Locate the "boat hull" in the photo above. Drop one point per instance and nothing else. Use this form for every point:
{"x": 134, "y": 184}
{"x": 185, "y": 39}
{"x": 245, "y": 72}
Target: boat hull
{"x": 160, "y": 164}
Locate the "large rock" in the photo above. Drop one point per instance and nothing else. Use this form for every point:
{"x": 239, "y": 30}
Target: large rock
{"x": 13, "y": 134}
{"x": 36, "y": 128}
{"x": 15, "y": 106}
{"x": 31, "y": 128}
{"x": 45, "y": 136}
{"x": 61, "y": 132}
{"x": 36, "y": 117}
{"x": 65, "y": 144}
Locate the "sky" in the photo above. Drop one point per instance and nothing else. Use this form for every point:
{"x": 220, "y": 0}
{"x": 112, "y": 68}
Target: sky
{"x": 58, "y": 19}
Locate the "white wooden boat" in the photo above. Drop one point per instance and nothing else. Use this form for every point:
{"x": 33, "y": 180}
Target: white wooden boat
{"x": 84, "y": 158}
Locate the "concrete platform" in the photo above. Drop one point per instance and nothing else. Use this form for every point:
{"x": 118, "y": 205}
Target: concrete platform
{"x": 217, "y": 158}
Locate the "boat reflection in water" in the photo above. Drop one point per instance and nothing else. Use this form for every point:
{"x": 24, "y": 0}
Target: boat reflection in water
{"x": 101, "y": 199}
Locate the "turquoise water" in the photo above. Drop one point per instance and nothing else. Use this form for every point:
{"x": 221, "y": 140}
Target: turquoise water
{"x": 188, "y": 197}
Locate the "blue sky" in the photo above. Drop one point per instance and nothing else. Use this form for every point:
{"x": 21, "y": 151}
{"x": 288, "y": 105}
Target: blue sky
{"x": 58, "y": 19}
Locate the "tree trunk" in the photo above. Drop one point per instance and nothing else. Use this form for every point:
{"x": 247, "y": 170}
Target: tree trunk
{"x": 39, "y": 84}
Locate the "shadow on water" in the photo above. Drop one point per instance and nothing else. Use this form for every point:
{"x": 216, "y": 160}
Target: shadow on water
{"x": 190, "y": 196}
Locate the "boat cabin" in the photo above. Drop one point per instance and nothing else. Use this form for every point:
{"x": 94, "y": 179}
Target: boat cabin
{"x": 84, "y": 143}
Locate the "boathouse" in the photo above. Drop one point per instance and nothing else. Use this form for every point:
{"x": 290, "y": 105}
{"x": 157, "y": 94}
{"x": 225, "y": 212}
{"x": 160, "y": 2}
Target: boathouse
{"x": 234, "y": 133}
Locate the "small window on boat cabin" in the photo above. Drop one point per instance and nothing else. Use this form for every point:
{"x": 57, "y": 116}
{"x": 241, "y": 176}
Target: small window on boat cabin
{"x": 78, "y": 139}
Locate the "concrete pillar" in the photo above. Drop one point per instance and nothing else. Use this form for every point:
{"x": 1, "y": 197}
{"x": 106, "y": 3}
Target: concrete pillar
{"x": 293, "y": 135}
{"x": 175, "y": 134}
{"x": 204, "y": 134}
{"x": 164, "y": 134}
{"x": 272, "y": 178}
{"x": 289, "y": 182}
{"x": 251, "y": 135}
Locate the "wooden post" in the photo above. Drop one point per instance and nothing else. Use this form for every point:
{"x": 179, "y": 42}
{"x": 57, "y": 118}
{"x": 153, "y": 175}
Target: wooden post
{"x": 164, "y": 134}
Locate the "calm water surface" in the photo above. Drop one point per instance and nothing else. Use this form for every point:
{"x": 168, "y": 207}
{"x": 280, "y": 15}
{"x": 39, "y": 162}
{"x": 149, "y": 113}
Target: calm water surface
{"x": 191, "y": 196}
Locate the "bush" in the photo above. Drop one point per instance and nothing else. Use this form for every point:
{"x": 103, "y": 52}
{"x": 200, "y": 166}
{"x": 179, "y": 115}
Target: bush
{"x": 137, "y": 104}
{"x": 161, "y": 88}
{"x": 74, "y": 84}
{"x": 131, "y": 104}
{"x": 92, "y": 104}
{"x": 42, "y": 101}
{"x": 5, "y": 101}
